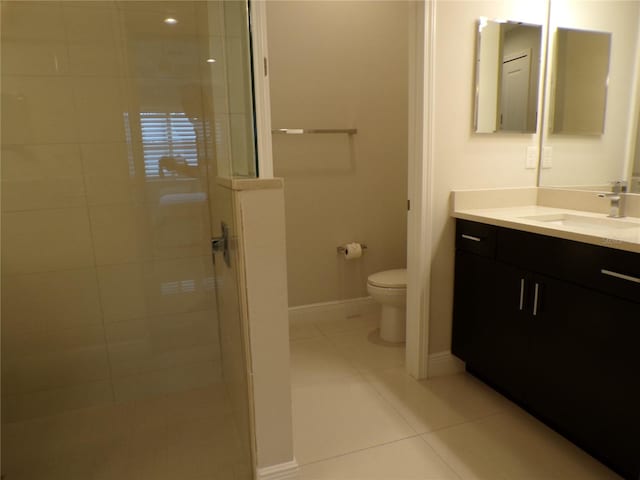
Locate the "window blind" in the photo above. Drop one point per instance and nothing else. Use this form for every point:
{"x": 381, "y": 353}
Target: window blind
{"x": 167, "y": 134}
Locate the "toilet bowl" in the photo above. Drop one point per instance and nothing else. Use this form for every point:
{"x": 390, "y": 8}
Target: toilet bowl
{"x": 389, "y": 289}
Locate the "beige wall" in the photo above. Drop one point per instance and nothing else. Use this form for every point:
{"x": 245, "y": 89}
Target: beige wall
{"x": 635, "y": 168}
{"x": 581, "y": 70}
{"x": 340, "y": 65}
{"x": 462, "y": 159}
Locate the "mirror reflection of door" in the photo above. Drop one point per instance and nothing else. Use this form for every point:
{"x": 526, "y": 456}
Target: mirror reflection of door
{"x": 507, "y": 73}
{"x": 514, "y": 100}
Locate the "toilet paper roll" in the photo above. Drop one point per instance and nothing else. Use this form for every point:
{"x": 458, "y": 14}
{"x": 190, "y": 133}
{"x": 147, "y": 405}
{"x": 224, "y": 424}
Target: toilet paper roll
{"x": 352, "y": 251}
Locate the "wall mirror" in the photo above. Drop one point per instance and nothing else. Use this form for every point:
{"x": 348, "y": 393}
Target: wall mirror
{"x": 589, "y": 131}
{"x": 507, "y": 76}
{"x": 580, "y": 78}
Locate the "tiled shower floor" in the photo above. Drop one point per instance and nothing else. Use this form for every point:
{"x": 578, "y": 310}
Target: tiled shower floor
{"x": 182, "y": 436}
{"x": 358, "y": 415}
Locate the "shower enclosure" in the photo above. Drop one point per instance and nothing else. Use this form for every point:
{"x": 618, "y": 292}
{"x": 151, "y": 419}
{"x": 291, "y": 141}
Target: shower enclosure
{"x": 122, "y": 351}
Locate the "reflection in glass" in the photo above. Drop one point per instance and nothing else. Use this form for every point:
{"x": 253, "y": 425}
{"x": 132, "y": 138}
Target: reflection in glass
{"x": 115, "y": 127}
{"x": 581, "y": 72}
{"x": 168, "y": 144}
{"x": 507, "y": 74}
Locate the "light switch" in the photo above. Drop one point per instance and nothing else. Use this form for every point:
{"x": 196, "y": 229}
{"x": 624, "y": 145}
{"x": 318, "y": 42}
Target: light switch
{"x": 532, "y": 158}
{"x": 547, "y": 157}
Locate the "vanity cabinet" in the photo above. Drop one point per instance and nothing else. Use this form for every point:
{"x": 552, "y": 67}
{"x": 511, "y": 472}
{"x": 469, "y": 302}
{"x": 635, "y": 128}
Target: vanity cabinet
{"x": 536, "y": 318}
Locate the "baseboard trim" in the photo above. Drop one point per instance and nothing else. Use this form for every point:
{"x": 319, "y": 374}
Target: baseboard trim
{"x": 444, "y": 363}
{"x": 304, "y": 313}
{"x": 332, "y": 304}
{"x": 281, "y": 471}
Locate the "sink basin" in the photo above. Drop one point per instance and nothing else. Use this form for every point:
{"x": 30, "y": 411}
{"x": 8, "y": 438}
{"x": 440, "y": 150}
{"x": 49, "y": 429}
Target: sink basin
{"x": 579, "y": 221}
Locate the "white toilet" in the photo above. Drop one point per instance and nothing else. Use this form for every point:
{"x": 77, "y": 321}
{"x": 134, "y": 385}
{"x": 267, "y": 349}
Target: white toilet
{"x": 389, "y": 288}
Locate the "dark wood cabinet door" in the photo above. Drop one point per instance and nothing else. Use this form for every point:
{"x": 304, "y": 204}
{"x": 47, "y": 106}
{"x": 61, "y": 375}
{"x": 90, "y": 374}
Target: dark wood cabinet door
{"x": 585, "y": 365}
{"x": 473, "y": 303}
{"x": 504, "y": 336}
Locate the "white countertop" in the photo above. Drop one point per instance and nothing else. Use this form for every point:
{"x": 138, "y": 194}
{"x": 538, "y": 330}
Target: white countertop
{"x": 512, "y": 217}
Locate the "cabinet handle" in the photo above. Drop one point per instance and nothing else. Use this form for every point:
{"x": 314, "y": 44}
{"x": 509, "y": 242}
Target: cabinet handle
{"x": 470, "y": 237}
{"x": 521, "y": 294}
{"x": 535, "y": 299}
{"x": 620, "y": 275}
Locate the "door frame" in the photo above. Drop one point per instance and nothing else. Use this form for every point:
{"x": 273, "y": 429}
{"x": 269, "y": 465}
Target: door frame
{"x": 421, "y": 44}
{"x": 420, "y": 189}
{"x": 261, "y": 92}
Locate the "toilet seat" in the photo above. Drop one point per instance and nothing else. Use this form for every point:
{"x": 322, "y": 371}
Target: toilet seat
{"x": 389, "y": 279}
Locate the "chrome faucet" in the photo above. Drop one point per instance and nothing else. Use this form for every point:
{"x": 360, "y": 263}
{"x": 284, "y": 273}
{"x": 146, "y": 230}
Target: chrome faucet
{"x": 617, "y": 195}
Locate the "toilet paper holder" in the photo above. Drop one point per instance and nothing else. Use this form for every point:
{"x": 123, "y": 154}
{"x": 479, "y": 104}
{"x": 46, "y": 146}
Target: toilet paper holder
{"x": 342, "y": 248}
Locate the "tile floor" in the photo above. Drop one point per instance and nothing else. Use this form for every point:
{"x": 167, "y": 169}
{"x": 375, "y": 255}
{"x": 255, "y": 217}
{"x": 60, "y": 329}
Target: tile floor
{"x": 181, "y": 436}
{"x": 358, "y": 415}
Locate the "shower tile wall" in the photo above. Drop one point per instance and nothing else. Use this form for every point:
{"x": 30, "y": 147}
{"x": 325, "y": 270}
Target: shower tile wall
{"x": 108, "y": 286}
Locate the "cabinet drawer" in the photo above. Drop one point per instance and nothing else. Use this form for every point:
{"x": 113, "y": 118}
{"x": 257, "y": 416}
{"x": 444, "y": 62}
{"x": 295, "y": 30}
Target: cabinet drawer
{"x": 608, "y": 270}
{"x": 477, "y": 238}
{"x": 529, "y": 251}
{"x": 615, "y": 272}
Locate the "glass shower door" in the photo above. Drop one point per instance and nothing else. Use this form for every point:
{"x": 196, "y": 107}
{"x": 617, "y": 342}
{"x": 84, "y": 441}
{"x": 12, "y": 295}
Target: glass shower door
{"x": 118, "y": 358}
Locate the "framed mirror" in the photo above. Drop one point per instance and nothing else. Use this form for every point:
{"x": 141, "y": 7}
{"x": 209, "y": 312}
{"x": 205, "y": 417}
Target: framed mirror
{"x": 507, "y": 76}
{"x": 580, "y": 79}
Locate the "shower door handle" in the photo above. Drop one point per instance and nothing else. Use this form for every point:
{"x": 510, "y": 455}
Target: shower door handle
{"x": 221, "y": 244}
{"x": 217, "y": 244}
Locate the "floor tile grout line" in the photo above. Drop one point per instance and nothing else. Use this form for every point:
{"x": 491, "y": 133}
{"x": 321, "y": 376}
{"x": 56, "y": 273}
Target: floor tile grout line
{"x": 326, "y": 380}
{"x": 322, "y": 333}
{"x": 348, "y": 362}
{"x": 481, "y": 417}
{"x": 458, "y": 424}
{"x": 327, "y": 336}
{"x": 388, "y": 402}
{"x": 437, "y": 454}
{"x": 343, "y": 333}
{"x": 428, "y": 438}
{"x": 355, "y": 365}
{"x": 360, "y": 374}
{"x": 365, "y": 371}
{"x": 337, "y": 351}
{"x": 452, "y": 467}
{"x": 358, "y": 450}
